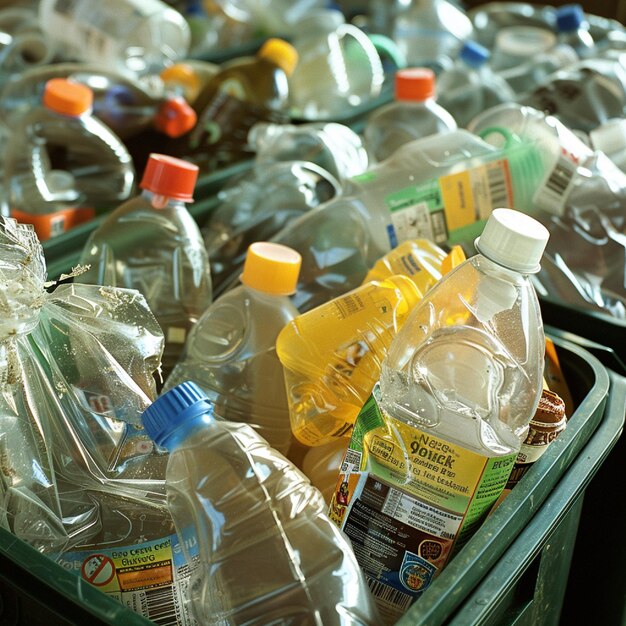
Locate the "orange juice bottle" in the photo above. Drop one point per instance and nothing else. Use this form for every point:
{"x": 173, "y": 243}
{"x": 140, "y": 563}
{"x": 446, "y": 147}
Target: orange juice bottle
{"x": 331, "y": 355}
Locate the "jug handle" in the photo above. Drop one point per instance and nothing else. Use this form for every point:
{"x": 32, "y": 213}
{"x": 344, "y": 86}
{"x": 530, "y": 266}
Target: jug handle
{"x": 386, "y": 46}
{"x": 510, "y": 138}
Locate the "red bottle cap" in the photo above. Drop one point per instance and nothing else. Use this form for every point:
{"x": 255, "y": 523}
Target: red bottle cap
{"x": 171, "y": 177}
{"x": 416, "y": 83}
{"x": 175, "y": 117}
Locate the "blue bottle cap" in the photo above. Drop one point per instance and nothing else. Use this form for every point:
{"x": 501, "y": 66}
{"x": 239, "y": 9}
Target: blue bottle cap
{"x": 175, "y": 407}
{"x": 569, "y": 17}
{"x": 474, "y": 54}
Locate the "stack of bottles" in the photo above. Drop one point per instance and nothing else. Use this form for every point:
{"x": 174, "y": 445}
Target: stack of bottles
{"x": 270, "y": 405}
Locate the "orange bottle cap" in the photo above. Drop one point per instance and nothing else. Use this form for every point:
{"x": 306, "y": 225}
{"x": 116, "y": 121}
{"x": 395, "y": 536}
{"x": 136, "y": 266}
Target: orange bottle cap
{"x": 415, "y": 83}
{"x": 175, "y": 117}
{"x": 281, "y": 53}
{"x": 271, "y": 268}
{"x": 171, "y": 177}
{"x": 181, "y": 74}
{"x": 67, "y": 97}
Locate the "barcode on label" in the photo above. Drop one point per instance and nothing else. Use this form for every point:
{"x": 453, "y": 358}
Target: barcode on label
{"x": 497, "y": 187}
{"x": 552, "y": 195}
{"x": 349, "y": 305}
{"x": 161, "y": 607}
{"x": 388, "y": 594}
{"x": 351, "y": 460}
{"x": 440, "y": 232}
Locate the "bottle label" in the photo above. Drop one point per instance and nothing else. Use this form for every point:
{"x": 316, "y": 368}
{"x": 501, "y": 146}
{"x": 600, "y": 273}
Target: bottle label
{"x": 440, "y": 210}
{"x": 408, "y": 500}
{"x": 150, "y": 578}
{"x": 556, "y": 187}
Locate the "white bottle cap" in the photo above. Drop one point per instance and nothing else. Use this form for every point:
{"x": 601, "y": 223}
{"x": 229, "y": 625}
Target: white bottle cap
{"x": 514, "y": 240}
{"x": 609, "y": 137}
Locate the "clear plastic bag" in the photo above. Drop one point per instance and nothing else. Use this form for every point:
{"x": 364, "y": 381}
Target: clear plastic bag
{"x": 76, "y": 372}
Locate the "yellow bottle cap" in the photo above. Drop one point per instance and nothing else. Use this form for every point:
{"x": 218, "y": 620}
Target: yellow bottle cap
{"x": 182, "y": 74}
{"x": 271, "y": 268}
{"x": 455, "y": 257}
{"x": 411, "y": 293}
{"x": 281, "y": 53}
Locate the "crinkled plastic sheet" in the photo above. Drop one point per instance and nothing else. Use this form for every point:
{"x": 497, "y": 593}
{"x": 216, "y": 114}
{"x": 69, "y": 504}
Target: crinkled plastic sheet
{"x": 76, "y": 372}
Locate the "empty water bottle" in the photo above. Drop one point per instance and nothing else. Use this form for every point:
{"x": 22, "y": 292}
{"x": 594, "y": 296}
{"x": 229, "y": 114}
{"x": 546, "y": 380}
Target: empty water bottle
{"x": 338, "y": 67}
{"x": 151, "y": 243}
{"x": 282, "y": 560}
{"x": 414, "y": 114}
{"x": 254, "y": 207}
{"x": 140, "y": 36}
{"x": 231, "y": 352}
{"x": 470, "y": 86}
{"x": 61, "y": 163}
{"x": 573, "y": 29}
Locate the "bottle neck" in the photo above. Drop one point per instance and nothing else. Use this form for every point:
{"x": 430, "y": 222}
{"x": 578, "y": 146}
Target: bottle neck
{"x": 188, "y": 428}
{"x": 159, "y": 201}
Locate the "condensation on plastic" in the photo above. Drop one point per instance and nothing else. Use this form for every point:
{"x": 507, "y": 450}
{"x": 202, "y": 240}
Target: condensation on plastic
{"x": 76, "y": 372}
{"x": 582, "y": 202}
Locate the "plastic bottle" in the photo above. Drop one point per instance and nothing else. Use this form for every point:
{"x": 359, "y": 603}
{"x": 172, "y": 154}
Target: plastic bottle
{"x": 331, "y": 355}
{"x": 125, "y": 105}
{"x": 245, "y": 91}
{"x": 430, "y": 32}
{"x": 231, "y": 352}
{"x": 441, "y": 432}
{"x": 151, "y": 243}
{"x": 414, "y": 114}
{"x": 610, "y": 138}
{"x": 335, "y": 147}
{"x": 137, "y": 36}
{"x": 469, "y": 86}
{"x": 439, "y": 188}
{"x": 257, "y": 205}
{"x": 283, "y": 560}
{"x": 338, "y": 67}
{"x": 573, "y": 29}
{"x": 61, "y": 163}
{"x": 321, "y": 464}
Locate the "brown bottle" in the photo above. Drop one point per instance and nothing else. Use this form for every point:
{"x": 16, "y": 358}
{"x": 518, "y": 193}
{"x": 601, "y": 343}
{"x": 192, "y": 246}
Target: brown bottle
{"x": 245, "y": 91}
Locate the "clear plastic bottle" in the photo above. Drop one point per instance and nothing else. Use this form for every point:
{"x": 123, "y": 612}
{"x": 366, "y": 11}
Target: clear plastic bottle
{"x": 414, "y": 114}
{"x": 573, "y": 29}
{"x": 231, "y": 351}
{"x": 441, "y": 431}
{"x": 245, "y": 91}
{"x": 469, "y": 86}
{"x": 430, "y": 32}
{"x": 331, "y": 355}
{"x": 335, "y": 147}
{"x": 283, "y": 560}
{"x": 137, "y": 36}
{"x": 321, "y": 464}
{"x": 439, "y": 188}
{"x": 256, "y": 206}
{"x": 151, "y": 243}
{"x": 61, "y": 163}
{"x": 338, "y": 67}
{"x": 610, "y": 138}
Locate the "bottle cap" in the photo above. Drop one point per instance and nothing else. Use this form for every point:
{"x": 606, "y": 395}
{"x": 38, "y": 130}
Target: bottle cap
{"x": 281, "y": 53}
{"x": 271, "y": 268}
{"x": 175, "y": 117}
{"x": 181, "y": 74}
{"x": 569, "y": 17}
{"x": 609, "y": 137}
{"x": 171, "y": 177}
{"x": 514, "y": 240}
{"x": 67, "y": 97}
{"x": 415, "y": 83}
{"x": 474, "y": 54}
{"x": 173, "y": 408}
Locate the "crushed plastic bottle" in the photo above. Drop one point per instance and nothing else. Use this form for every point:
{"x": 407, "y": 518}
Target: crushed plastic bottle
{"x": 151, "y": 243}
{"x": 470, "y": 86}
{"x": 299, "y": 569}
{"x": 338, "y": 67}
{"x": 257, "y": 205}
{"x": 61, "y": 164}
{"x": 230, "y": 353}
{"x": 414, "y": 114}
{"x": 610, "y": 138}
{"x": 435, "y": 443}
{"x": 136, "y": 36}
